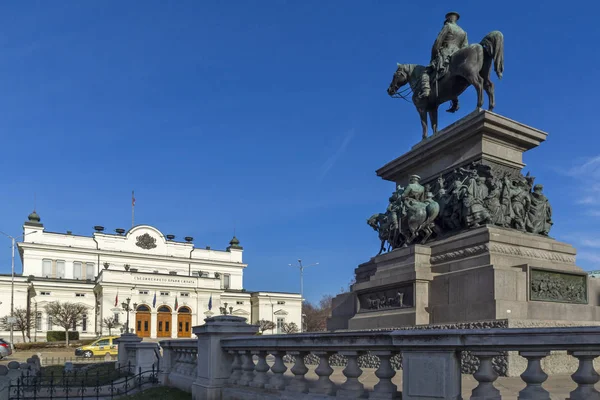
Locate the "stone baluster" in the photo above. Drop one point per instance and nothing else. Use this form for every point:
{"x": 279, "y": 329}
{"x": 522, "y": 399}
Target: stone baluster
{"x": 351, "y": 388}
{"x": 236, "y": 367}
{"x": 247, "y": 368}
{"x": 585, "y": 376}
{"x": 534, "y": 376}
{"x": 261, "y": 368}
{"x": 486, "y": 376}
{"x": 384, "y": 389}
{"x": 299, "y": 383}
{"x": 324, "y": 384}
{"x": 277, "y": 381}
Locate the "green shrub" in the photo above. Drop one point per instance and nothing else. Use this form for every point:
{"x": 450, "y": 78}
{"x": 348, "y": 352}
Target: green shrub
{"x": 59, "y": 336}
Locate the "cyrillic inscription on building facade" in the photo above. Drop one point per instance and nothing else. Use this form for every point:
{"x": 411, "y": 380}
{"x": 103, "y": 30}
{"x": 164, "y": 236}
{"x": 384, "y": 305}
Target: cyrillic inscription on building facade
{"x": 400, "y": 296}
{"x": 557, "y": 286}
{"x": 156, "y": 279}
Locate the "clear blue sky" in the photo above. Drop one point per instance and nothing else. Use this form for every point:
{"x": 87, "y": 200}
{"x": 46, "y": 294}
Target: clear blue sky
{"x": 271, "y": 117}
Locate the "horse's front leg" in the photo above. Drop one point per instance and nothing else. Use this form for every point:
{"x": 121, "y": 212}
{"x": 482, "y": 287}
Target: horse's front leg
{"x": 423, "y": 116}
{"x": 433, "y": 117}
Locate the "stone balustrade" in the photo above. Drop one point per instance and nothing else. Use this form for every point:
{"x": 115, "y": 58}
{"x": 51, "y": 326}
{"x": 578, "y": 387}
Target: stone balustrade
{"x": 13, "y": 371}
{"x": 430, "y": 362}
{"x": 179, "y": 363}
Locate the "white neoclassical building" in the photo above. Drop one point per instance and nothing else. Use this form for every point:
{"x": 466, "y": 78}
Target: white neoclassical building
{"x": 171, "y": 285}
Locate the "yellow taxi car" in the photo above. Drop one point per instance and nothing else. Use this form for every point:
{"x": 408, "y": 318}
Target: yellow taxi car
{"x": 104, "y": 345}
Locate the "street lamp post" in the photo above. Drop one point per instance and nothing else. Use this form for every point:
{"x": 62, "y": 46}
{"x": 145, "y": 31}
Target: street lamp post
{"x": 127, "y": 309}
{"x": 12, "y": 283}
{"x": 302, "y": 288}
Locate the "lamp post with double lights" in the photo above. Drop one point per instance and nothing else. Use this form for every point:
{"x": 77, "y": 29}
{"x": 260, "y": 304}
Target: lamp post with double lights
{"x": 301, "y": 266}
{"x": 125, "y": 305}
{"x": 12, "y": 282}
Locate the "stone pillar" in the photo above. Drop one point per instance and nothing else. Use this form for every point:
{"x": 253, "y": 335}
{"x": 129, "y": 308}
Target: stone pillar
{"x": 174, "y": 324}
{"x": 214, "y": 364}
{"x": 123, "y": 341}
{"x": 153, "y": 324}
{"x": 431, "y": 375}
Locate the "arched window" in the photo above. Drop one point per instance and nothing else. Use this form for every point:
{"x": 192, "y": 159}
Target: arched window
{"x": 184, "y": 310}
{"x": 143, "y": 308}
{"x": 164, "y": 309}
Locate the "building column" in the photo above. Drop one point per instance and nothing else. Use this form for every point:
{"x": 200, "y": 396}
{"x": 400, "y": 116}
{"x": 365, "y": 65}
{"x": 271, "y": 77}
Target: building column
{"x": 153, "y": 323}
{"x": 174, "y": 325}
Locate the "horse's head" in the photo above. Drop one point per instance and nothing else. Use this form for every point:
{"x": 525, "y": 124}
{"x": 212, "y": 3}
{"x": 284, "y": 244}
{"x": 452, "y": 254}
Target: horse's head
{"x": 400, "y": 79}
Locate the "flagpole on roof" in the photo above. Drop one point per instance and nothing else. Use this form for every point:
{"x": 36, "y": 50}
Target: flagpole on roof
{"x": 132, "y": 209}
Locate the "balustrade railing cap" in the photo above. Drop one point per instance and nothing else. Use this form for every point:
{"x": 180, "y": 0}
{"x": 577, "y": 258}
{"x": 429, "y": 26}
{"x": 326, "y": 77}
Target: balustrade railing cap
{"x": 226, "y": 324}
{"x": 128, "y": 337}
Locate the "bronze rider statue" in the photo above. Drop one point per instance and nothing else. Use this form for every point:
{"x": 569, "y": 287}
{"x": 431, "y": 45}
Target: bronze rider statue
{"x": 450, "y": 39}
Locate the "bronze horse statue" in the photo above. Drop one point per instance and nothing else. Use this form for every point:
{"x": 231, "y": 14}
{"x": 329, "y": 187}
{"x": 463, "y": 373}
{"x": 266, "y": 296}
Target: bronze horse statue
{"x": 469, "y": 66}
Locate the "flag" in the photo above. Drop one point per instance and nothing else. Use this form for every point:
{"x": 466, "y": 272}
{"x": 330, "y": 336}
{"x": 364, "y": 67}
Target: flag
{"x": 176, "y": 304}
{"x": 132, "y": 199}
{"x": 154, "y": 301}
{"x": 117, "y": 299}
{"x": 210, "y": 303}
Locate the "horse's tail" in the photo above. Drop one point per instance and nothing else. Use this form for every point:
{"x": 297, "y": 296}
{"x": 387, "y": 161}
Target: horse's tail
{"x": 493, "y": 43}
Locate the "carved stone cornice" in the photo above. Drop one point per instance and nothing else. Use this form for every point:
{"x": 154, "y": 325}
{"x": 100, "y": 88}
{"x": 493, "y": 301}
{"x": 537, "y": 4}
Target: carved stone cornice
{"x": 462, "y": 253}
{"x": 500, "y": 248}
{"x": 531, "y": 253}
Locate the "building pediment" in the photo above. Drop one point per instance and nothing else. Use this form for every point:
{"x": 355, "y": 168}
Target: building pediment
{"x": 280, "y": 312}
{"x": 239, "y": 311}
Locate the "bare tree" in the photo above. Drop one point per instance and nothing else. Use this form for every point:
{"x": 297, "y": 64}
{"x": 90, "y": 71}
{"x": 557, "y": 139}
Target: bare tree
{"x": 22, "y": 322}
{"x": 289, "y": 327}
{"x": 315, "y": 315}
{"x": 111, "y": 323}
{"x": 265, "y": 325}
{"x": 66, "y": 315}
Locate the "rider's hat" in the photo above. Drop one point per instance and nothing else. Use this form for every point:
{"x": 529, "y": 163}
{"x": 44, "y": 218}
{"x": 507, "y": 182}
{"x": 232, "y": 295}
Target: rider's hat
{"x": 417, "y": 177}
{"x": 453, "y": 13}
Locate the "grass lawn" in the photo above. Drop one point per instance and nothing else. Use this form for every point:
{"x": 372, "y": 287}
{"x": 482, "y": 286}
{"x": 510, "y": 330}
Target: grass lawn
{"x": 102, "y": 374}
{"x": 162, "y": 393}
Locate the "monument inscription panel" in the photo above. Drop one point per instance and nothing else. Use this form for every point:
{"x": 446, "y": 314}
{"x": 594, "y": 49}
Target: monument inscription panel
{"x": 389, "y": 297}
{"x": 560, "y": 287}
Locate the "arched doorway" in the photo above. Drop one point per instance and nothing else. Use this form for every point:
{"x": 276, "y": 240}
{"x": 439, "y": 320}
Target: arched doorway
{"x": 184, "y": 322}
{"x": 142, "y": 321}
{"x": 164, "y": 322}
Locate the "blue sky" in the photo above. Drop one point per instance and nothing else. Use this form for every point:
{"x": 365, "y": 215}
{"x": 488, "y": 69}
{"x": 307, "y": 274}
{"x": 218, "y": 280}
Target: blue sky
{"x": 270, "y": 117}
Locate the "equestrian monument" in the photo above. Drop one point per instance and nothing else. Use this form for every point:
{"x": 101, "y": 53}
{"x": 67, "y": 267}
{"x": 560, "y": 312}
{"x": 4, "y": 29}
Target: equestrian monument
{"x": 465, "y": 236}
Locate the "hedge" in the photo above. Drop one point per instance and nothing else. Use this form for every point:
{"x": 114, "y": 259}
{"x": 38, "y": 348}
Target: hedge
{"x": 59, "y": 336}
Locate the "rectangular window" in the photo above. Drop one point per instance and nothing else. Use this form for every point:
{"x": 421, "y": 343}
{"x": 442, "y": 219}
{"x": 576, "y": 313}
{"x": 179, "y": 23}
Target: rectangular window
{"x": 116, "y": 315}
{"x": 226, "y": 281}
{"x": 79, "y": 294}
{"x": 84, "y": 323}
{"x": 184, "y": 294}
{"x": 164, "y": 293}
{"x": 239, "y": 303}
{"x": 60, "y": 268}
{"x": 77, "y": 270}
{"x": 44, "y": 293}
{"x": 280, "y": 322}
{"x": 143, "y": 292}
{"x": 280, "y": 302}
{"x": 38, "y": 321}
{"x": 89, "y": 271}
{"x": 49, "y": 323}
{"x": 47, "y": 268}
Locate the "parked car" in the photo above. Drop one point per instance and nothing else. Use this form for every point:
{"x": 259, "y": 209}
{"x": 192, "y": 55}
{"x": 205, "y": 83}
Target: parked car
{"x": 5, "y": 349}
{"x": 104, "y": 345}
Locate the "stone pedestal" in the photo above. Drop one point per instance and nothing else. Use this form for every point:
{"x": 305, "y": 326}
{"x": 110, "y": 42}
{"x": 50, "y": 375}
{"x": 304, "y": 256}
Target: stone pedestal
{"x": 471, "y": 272}
{"x": 125, "y": 357}
{"x": 214, "y": 365}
